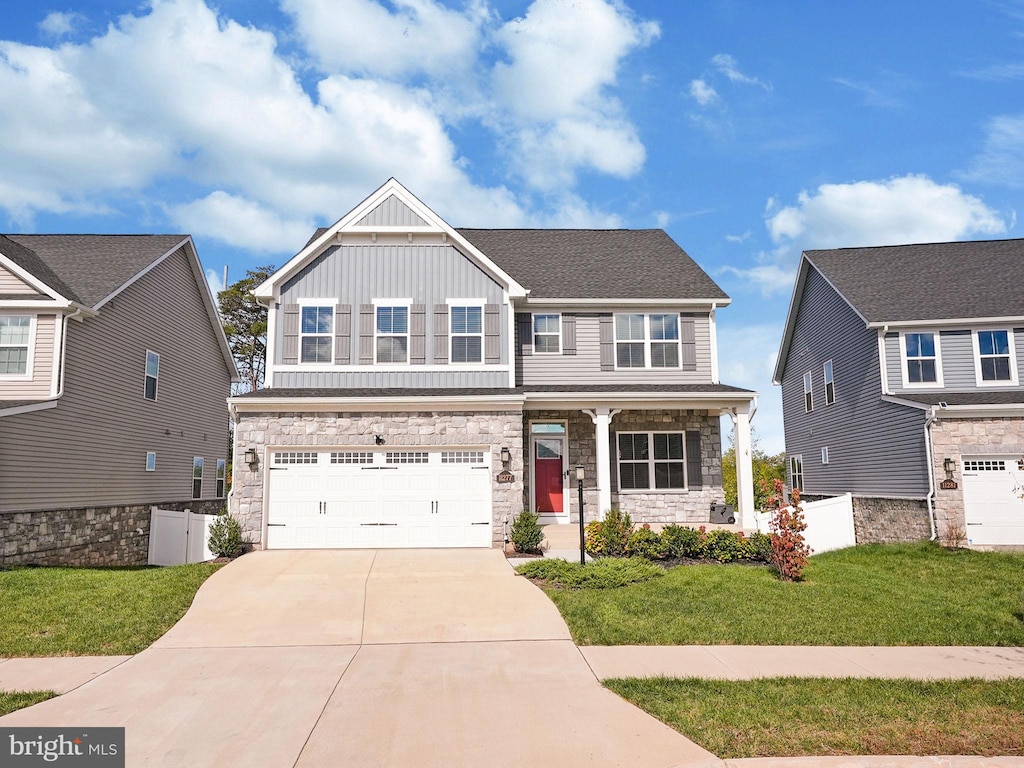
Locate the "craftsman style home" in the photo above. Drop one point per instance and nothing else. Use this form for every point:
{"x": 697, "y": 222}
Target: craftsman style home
{"x": 901, "y": 373}
{"x": 425, "y": 384}
{"x": 114, "y": 372}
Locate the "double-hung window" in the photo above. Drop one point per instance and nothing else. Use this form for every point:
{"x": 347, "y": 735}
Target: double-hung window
{"x": 651, "y": 460}
{"x": 316, "y": 334}
{"x": 647, "y": 341}
{"x": 197, "y": 477}
{"x": 796, "y": 472}
{"x": 808, "y": 392}
{"x": 467, "y": 333}
{"x": 15, "y": 338}
{"x": 547, "y": 334}
{"x": 152, "y": 374}
{"x": 830, "y": 382}
{"x": 222, "y": 475}
{"x": 994, "y": 357}
{"x": 921, "y": 354}
{"x": 392, "y": 334}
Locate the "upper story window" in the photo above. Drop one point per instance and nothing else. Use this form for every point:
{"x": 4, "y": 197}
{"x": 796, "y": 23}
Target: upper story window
{"x": 547, "y": 334}
{"x": 646, "y": 341}
{"x": 316, "y": 334}
{"x": 921, "y": 353}
{"x": 808, "y": 392}
{"x": 152, "y": 374}
{"x": 222, "y": 474}
{"x": 15, "y": 338}
{"x": 392, "y": 334}
{"x": 467, "y": 333}
{"x": 197, "y": 477}
{"x": 830, "y": 383}
{"x": 994, "y": 357}
{"x": 651, "y": 460}
{"x": 796, "y": 472}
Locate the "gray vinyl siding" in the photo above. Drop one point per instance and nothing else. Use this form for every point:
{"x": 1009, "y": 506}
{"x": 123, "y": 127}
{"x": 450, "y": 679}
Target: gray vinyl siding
{"x": 875, "y": 448}
{"x": 429, "y": 275}
{"x": 585, "y": 365}
{"x": 391, "y": 213}
{"x": 11, "y": 284}
{"x": 40, "y": 384}
{"x": 90, "y": 450}
{"x": 956, "y": 348}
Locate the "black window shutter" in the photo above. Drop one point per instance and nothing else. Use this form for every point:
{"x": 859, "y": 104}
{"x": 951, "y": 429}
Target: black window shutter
{"x": 524, "y": 330}
{"x": 694, "y": 475}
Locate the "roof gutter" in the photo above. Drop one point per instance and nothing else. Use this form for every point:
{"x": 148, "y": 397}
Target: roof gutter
{"x": 49, "y": 402}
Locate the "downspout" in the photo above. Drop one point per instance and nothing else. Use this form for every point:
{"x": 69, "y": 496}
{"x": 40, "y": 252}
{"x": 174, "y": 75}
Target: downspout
{"x": 883, "y": 366}
{"x": 931, "y": 472}
{"x": 63, "y": 353}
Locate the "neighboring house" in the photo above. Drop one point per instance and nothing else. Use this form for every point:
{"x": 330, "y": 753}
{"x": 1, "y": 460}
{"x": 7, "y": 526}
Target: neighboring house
{"x": 425, "y": 384}
{"x": 900, "y": 371}
{"x": 114, "y": 374}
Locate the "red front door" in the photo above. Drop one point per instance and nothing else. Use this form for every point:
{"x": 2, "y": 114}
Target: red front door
{"x": 547, "y": 475}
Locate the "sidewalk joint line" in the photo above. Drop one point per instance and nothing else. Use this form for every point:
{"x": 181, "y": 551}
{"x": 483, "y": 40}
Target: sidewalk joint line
{"x": 324, "y": 708}
{"x": 366, "y": 589}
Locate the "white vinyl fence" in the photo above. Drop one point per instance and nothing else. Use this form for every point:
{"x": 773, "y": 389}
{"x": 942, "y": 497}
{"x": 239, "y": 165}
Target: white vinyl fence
{"x": 177, "y": 537}
{"x": 829, "y": 523}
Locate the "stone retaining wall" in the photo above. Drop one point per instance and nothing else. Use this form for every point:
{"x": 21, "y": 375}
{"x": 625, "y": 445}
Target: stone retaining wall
{"x": 885, "y": 521}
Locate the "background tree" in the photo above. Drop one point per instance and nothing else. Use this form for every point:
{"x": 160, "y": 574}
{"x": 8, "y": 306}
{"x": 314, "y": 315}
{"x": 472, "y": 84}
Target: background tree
{"x": 767, "y": 469}
{"x": 245, "y": 324}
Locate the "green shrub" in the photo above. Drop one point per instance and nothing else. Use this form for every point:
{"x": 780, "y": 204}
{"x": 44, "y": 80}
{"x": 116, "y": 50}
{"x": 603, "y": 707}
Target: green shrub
{"x": 760, "y": 546}
{"x": 608, "y": 537}
{"x": 225, "y": 536}
{"x": 725, "y": 546}
{"x": 606, "y": 573}
{"x": 645, "y": 543}
{"x": 681, "y": 541}
{"x": 526, "y": 532}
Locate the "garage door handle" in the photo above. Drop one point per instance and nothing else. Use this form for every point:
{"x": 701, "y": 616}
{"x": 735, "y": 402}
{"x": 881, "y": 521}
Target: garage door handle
{"x": 378, "y": 467}
{"x": 479, "y": 523}
{"x": 481, "y": 467}
{"x": 276, "y": 525}
{"x": 975, "y": 523}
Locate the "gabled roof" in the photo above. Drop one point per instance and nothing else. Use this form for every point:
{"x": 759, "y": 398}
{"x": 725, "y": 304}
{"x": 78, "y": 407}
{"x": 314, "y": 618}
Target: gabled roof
{"x": 597, "y": 263}
{"x": 917, "y": 284}
{"x": 91, "y": 267}
{"x": 28, "y": 260}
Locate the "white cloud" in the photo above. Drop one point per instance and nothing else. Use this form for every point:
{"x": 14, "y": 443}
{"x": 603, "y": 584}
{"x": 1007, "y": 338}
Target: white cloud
{"x": 739, "y": 238}
{"x": 58, "y": 24}
{"x": 215, "y": 280}
{"x": 728, "y": 66}
{"x": 747, "y": 355}
{"x": 242, "y": 223}
{"x": 662, "y": 219}
{"x": 703, "y": 93}
{"x": 1001, "y": 161}
{"x": 768, "y": 279}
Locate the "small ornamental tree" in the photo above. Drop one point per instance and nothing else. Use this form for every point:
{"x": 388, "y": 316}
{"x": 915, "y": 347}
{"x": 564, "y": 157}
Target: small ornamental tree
{"x": 789, "y": 550}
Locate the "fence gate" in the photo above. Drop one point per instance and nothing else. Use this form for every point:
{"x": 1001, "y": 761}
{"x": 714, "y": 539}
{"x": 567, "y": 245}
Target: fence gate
{"x": 177, "y": 537}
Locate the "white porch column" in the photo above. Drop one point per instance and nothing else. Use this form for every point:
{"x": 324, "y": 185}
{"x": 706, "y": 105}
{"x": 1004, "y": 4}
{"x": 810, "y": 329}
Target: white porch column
{"x": 602, "y": 418}
{"x": 744, "y": 469}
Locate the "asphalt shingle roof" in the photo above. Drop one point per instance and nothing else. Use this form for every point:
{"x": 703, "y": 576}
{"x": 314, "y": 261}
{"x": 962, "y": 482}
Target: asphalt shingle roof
{"x": 26, "y": 258}
{"x": 966, "y": 398}
{"x": 88, "y": 268}
{"x": 476, "y": 391}
{"x": 932, "y": 281}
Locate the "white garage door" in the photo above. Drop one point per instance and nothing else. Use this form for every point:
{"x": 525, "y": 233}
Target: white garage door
{"x": 371, "y": 498}
{"x": 992, "y": 504}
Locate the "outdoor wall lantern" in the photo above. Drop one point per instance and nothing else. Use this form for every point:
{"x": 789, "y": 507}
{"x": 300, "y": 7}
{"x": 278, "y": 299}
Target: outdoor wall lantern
{"x": 949, "y": 465}
{"x": 506, "y": 457}
{"x": 378, "y": 439}
{"x": 583, "y": 538}
{"x": 252, "y": 458}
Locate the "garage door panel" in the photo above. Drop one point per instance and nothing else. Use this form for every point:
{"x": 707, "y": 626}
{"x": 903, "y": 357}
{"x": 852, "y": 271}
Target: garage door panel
{"x": 993, "y": 509}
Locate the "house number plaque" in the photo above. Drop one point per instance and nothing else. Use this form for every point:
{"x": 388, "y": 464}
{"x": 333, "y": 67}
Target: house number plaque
{"x": 505, "y": 476}
{"x": 948, "y": 485}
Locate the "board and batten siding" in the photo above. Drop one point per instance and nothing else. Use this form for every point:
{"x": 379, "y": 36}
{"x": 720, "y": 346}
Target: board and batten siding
{"x": 956, "y": 349}
{"x": 40, "y": 385}
{"x": 356, "y": 275}
{"x": 90, "y": 449}
{"x": 392, "y": 212}
{"x": 875, "y": 448}
{"x": 14, "y": 285}
{"x": 585, "y": 364}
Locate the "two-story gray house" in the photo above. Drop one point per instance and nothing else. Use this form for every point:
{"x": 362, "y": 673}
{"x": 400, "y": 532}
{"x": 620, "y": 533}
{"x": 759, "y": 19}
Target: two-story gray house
{"x": 114, "y": 373}
{"x": 900, "y": 370}
{"x": 425, "y": 384}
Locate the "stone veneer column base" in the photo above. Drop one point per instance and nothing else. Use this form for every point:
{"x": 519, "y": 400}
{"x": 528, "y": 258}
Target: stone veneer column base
{"x": 889, "y": 521}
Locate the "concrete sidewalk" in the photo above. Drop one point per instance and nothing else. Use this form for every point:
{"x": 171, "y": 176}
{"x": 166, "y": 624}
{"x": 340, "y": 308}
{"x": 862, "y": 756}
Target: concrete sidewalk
{"x": 746, "y": 662}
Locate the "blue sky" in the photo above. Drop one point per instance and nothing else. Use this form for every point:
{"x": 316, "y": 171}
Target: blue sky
{"x": 748, "y": 130}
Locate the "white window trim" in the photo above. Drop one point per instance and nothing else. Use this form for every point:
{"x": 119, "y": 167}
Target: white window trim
{"x": 330, "y": 303}
{"x": 31, "y": 353}
{"x": 808, "y": 390}
{"x": 145, "y": 376}
{"x": 824, "y": 454}
{"x": 647, "y": 341}
{"x": 471, "y": 303}
{"x": 825, "y": 381}
{"x": 1011, "y": 348}
{"x": 793, "y": 474}
{"x": 148, "y": 455}
{"x": 937, "y": 384}
{"x": 651, "y": 461}
{"x": 407, "y": 303}
{"x": 202, "y": 470}
{"x": 533, "y": 327}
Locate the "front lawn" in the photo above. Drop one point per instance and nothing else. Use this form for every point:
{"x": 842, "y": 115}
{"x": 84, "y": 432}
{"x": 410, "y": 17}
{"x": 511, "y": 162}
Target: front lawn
{"x": 12, "y": 700}
{"x": 782, "y": 717}
{"x": 907, "y": 594}
{"x": 93, "y": 611}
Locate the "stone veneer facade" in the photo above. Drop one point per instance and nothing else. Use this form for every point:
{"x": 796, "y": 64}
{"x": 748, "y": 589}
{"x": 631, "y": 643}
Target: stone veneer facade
{"x": 956, "y": 438}
{"x": 888, "y": 521}
{"x": 89, "y": 536}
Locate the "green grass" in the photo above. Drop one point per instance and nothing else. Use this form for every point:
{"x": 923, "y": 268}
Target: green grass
{"x": 908, "y": 594}
{"x": 12, "y": 700}
{"x": 93, "y": 611}
{"x": 816, "y": 716}
{"x": 606, "y": 573}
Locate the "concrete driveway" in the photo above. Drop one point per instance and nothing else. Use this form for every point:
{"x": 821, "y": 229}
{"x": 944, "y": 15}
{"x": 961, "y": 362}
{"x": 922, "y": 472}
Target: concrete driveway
{"x": 367, "y": 658}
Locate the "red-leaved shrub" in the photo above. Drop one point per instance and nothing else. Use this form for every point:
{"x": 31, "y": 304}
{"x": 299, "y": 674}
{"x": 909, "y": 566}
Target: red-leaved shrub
{"x": 789, "y": 550}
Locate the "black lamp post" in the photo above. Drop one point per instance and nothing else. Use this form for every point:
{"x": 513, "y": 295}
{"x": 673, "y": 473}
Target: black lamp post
{"x": 583, "y": 539}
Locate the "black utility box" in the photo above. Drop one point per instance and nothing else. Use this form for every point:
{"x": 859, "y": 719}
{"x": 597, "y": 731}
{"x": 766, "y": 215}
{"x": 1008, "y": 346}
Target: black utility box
{"x": 722, "y": 513}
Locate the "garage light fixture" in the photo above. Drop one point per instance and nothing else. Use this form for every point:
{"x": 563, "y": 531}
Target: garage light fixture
{"x": 949, "y": 465}
{"x": 252, "y": 458}
{"x": 378, "y": 439}
{"x": 506, "y": 457}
